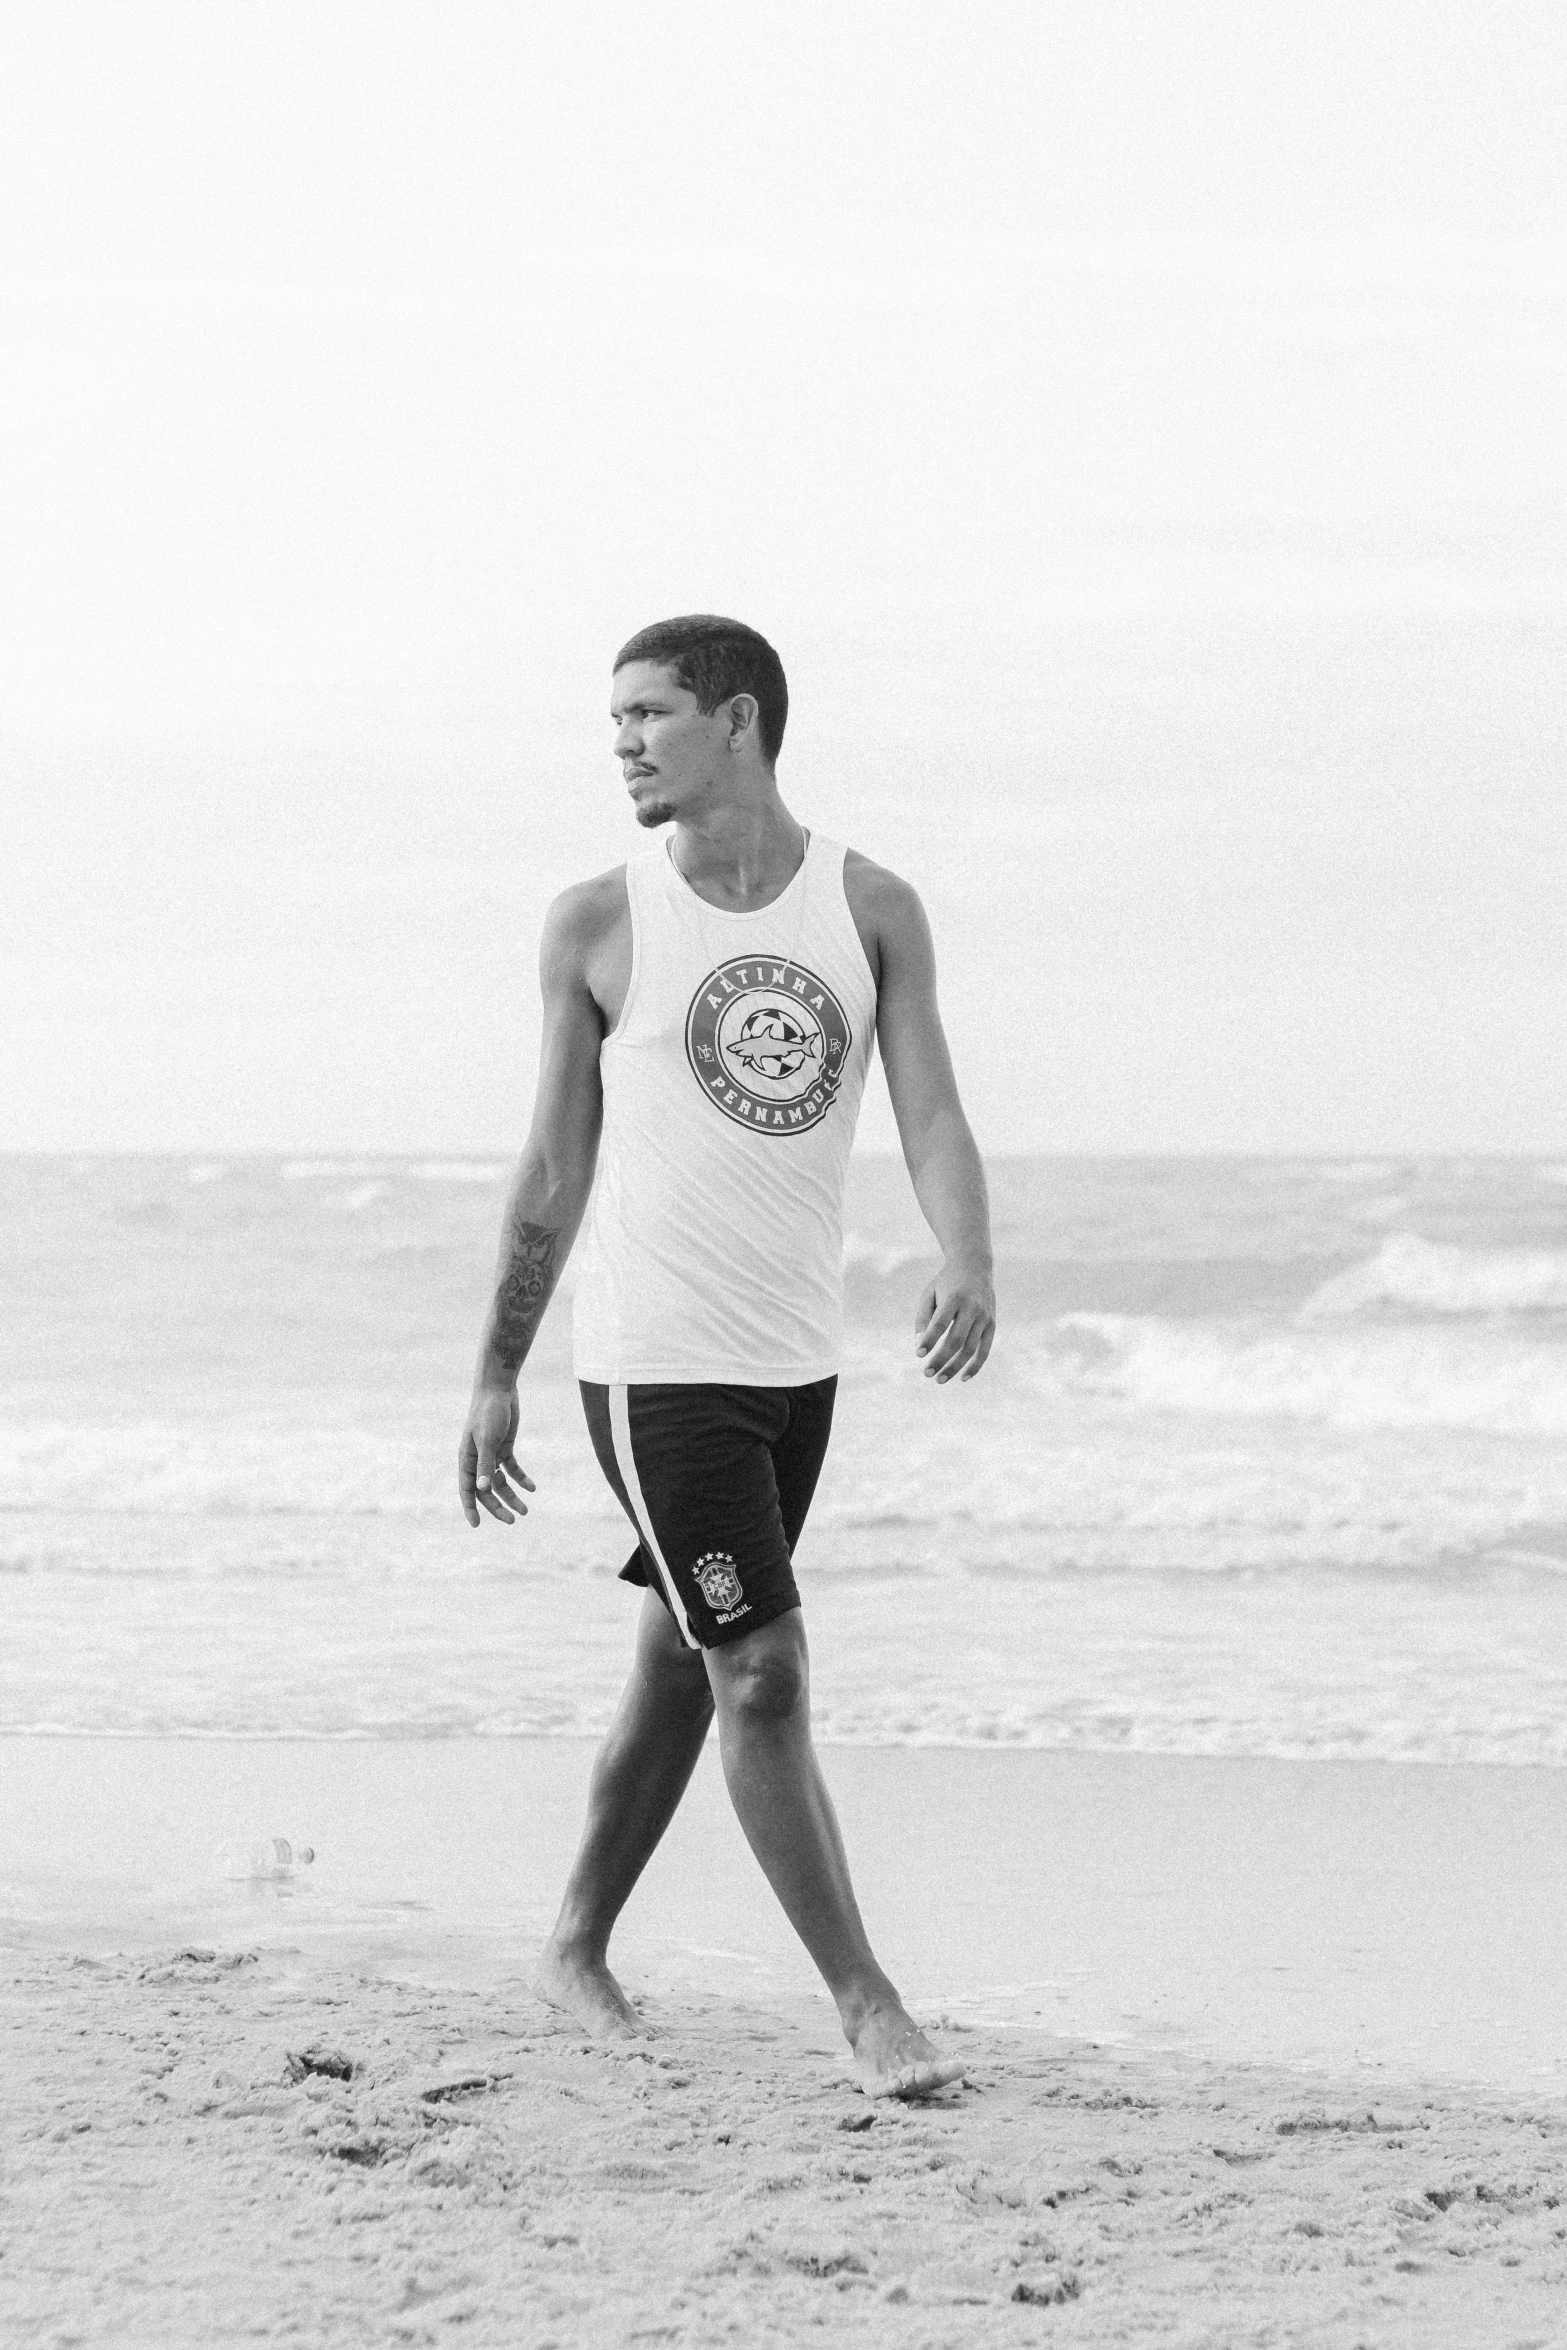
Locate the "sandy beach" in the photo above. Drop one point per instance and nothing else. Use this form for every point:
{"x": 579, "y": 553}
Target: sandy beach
{"x": 328, "y": 2109}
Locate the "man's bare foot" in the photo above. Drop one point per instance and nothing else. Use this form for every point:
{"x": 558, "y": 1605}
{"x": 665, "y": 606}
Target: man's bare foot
{"x": 894, "y": 2059}
{"x": 585, "y": 1988}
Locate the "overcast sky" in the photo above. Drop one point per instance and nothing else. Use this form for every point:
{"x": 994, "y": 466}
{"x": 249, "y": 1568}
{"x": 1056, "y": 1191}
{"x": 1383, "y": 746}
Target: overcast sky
{"x": 1138, "y": 427}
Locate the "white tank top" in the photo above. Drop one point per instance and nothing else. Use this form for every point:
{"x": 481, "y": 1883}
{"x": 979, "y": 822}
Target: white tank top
{"x": 732, "y": 1081}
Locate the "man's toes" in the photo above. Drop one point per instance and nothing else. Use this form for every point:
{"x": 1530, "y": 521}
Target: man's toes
{"x": 923, "y": 2080}
{"x": 913, "y": 2080}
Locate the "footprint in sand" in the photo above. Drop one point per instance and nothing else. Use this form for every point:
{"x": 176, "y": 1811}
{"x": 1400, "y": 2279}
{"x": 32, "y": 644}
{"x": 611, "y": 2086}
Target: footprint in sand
{"x": 329, "y": 2063}
{"x": 195, "y": 1966}
{"x": 1049, "y": 2292}
{"x": 471, "y": 2085}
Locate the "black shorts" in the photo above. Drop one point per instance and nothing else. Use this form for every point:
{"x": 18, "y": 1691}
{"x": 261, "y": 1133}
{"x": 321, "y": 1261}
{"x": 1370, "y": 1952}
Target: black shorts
{"x": 716, "y": 1481}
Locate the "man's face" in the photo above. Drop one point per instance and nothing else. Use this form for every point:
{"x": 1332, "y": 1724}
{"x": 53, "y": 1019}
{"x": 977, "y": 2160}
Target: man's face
{"x": 668, "y": 749}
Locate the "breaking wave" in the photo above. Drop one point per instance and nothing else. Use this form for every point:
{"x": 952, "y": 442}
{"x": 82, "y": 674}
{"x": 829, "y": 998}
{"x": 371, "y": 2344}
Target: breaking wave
{"x": 459, "y": 1170}
{"x": 1433, "y": 1277}
{"x": 1387, "y": 1378}
{"x": 883, "y": 1259}
{"x": 191, "y": 1466}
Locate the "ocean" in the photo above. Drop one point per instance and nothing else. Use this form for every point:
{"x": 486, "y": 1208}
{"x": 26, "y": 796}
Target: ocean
{"x": 1270, "y": 1458}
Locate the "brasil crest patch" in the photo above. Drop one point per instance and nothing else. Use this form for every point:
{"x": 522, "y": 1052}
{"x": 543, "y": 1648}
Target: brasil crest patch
{"x": 717, "y": 1580}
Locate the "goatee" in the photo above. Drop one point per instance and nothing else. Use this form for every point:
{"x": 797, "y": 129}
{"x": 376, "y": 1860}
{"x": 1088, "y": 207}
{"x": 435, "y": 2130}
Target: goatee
{"x": 651, "y": 812}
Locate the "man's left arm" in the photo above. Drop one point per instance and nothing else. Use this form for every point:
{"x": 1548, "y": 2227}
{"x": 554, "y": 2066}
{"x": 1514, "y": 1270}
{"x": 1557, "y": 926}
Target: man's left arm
{"x": 955, "y": 1321}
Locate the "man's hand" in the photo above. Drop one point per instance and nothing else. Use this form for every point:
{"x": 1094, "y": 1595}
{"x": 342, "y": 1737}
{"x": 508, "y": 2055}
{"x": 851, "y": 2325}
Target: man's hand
{"x": 488, "y": 1477}
{"x": 955, "y": 1322}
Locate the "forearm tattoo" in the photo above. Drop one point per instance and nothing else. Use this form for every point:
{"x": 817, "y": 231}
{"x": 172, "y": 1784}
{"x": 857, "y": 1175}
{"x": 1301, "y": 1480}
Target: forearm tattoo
{"x": 527, "y": 1278}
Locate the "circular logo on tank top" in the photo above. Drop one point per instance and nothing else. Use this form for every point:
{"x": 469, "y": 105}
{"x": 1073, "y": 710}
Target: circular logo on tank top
{"x": 768, "y": 1044}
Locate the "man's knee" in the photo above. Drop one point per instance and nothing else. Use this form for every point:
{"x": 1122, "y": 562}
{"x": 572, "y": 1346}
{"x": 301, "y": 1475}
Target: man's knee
{"x": 762, "y": 1678}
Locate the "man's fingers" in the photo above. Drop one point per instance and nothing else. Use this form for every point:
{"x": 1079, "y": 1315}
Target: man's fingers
{"x": 945, "y": 1357}
{"x": 944, "y": 1346}
{"x": 490, "y": 1478}
{"x": 504, "y": 1479}
{"x": 927, "y": 1333}
{"x": 501, "y": 1491}
{"x": 467, "y": 1465}
{"x": 488, "y": 1488}
{"x": 924, "y": 1313}
{"x": 982, "y": 1351}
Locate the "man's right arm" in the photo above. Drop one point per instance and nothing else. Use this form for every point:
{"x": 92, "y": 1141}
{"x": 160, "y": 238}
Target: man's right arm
{"x": 548, "y": 1195}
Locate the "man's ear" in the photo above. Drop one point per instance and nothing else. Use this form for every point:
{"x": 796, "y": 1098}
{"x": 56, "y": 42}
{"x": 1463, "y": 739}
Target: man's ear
{"x": 742, "y": 717}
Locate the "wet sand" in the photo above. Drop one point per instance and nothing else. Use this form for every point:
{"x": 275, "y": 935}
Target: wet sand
{"x": 1258, "y": 2052}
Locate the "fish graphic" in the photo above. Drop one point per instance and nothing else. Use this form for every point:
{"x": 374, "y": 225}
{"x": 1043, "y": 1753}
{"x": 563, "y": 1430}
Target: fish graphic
{"x": 771, "y": 1043}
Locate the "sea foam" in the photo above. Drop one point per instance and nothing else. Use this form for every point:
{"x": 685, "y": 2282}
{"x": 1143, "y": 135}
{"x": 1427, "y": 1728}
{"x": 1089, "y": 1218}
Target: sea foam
{"x": 1387, "y": 1378}
{"x": 1434, "y": 1277}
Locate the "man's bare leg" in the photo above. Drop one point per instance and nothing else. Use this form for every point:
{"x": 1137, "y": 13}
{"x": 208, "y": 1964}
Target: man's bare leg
{"x": 762, "y": 1688}
{"x": 641, "y": 1773}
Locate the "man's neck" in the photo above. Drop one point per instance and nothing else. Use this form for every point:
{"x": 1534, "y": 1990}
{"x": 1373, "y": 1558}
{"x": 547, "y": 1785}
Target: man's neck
{"x": 740, "y": 855}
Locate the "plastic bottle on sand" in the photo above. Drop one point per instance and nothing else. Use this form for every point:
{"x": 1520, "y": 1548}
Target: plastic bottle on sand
{"x": 263, "y": 1856}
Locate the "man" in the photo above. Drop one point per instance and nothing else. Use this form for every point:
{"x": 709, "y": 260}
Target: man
{"x": 708, "y": 1017}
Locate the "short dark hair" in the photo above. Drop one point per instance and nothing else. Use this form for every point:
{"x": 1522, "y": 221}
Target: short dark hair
{"x": 714, "y": 658}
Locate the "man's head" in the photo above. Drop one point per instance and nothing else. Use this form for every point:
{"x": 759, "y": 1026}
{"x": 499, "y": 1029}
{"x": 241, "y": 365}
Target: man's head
{"x": 696, "y": 700}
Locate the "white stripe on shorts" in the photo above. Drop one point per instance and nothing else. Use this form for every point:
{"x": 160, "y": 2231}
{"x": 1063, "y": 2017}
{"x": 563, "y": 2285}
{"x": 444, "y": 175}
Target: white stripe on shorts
{"x": 620, "y": 1437}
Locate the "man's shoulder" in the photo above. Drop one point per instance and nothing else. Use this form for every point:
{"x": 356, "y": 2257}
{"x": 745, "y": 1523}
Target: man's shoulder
{"x": 885, "y": 910}
{"x": 875, "y": 892}
{"x": 581, "y": 924}
{"x": 587, "y": 910}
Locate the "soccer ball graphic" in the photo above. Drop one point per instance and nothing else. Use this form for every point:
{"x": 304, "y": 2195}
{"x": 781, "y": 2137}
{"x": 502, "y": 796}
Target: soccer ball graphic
{"x": 771, "y": 1043}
